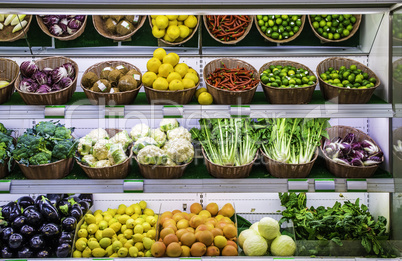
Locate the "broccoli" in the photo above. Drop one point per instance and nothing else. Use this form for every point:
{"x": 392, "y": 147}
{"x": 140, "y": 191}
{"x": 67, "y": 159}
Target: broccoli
{"x": 62, "y": 133}
{"x": 40, "y": 158}
{"x": 8, "y": 140}
{"x": 28, "y": 145}
{"x": 45, "y": 128}
{"x": 3, "y": 151}
{"x": 64, "y": 149}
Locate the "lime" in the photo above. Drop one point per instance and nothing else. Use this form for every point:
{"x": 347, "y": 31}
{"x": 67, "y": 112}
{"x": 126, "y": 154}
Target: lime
{"x": 261, "y": 22}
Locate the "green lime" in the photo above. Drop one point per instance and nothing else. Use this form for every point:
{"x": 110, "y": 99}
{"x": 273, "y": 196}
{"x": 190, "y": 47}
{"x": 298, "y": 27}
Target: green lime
{"x": 353, "y": 67}
{"x": 271, "y": 23}
{"x": 261, "y": 22}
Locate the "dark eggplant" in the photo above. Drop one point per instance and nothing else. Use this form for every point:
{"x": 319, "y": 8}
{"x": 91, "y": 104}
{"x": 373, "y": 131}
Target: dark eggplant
{"x": 43, "y": 254}
{"x": 27, "y": 230}
{"x": 88, "y": 198}
{"x": 54, "y": 198}
{"x": 76, "y": 212}
{"x": 37, "y": 242}
{"x": 84, "y": 205}
{"x": 19, "y": 222}
{"x": 25, "y": 252}
{"x": 50, "y": 229}
{"x": 34, "y": 217}
{"x": 10, "y": 211}
{"x": 48, "y": 211}
{"x": 63, "y": 250}
{"x": 6, "y": 252}
{"x": 7, "y": 232}
{"x": 73, "y": 199}
{"x": 38, "y": 199}
{"x": 68, "y": 224}
{"x": 25, "y": 201}
{"x": 64, "y": 207}
{"x": 15, "y": 241}
{"x": 66, "y": 237}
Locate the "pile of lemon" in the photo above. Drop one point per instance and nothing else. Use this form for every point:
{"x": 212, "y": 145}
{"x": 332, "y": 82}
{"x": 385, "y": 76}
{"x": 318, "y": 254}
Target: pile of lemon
{"x": 165, "y": 73}
{"x": 173, "y": 28}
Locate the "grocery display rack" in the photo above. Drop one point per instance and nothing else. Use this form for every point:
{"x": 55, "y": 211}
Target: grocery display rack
{"x": 373, "y": 47}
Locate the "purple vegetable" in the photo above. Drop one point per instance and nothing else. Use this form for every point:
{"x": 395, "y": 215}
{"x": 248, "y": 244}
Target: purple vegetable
{"x": 58, "y": 74}
{"x": 43, "y": 89}
{"x": 369, "y": 147}
{"x": 70, "y": 16}
{"x": 345, "y": 147}
{"x": 63, "y": 24}
{"x": 70, "y": 70}
{"x": 56, "y": 30}
{"x": 40, "y": 77}
{"x": 28, "y": 68}
{"x": 349, "y": 138}
{"x": 331, "y": 149}
{"x": 50, "y": 20}
{"x": 342, "y": 161}
{"x": 359, "y": 154}
{"x": 56, "y": 87}
{"x": 356, "y": 162}
{"x": 65, "y": 82}
{"x": 378, "y": 154}
{"x": 73, "y": 26}
{"x": 80, "y": 18}
{"x": 28, "y": 85}
{"x": 47, "y": 70}
{"x": 373, "y": 160}
{"x": 356, "y": 146}
{"x": 62, "y": 16}
{"x": 49, "y": 80}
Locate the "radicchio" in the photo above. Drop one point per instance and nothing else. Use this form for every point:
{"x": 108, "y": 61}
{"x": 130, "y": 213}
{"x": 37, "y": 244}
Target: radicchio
{"x": 28, "y": 68}
{"x": 56, "y": 30}
{"x": 70, "y": 70}
{"x": 28, "y": 85}
{"x": 58, "y": 74}
{"x": 40, "y": 77}
{"x": 43, "y": 89}
{"x": 65, "y": 82}
{"x": 50, "y": 19}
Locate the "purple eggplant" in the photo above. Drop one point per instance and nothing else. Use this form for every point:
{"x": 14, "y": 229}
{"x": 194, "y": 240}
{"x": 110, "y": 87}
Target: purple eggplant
{"x": 25, "y": 252}
{"x": 43, "y": 254}
{"x": 10, "y": 211}
{"x": 27, "y": 230}
{"x": 68, "y": 224}
{"x": 34, "y": 217}
{"x": 6, "y": 233}
{"x": 76, "y": 212}
{"x": 64, "y": 207}
{"x": 6, "y": 252}
{"x": 66, "y": 237}
{"x": 25, "y": 201}
{"x": 37, "y": 242}
{"x": 19, "y": 222}
{"x": 48, "y": 211}
{"x": 50, "y": 229}
{"x": 54, "y": 198}
{"x": 88, "y": 198}
{"x": 84, "y": 205}
{"x": 15, "y": 241}
{"x": 63, "y": 250}
{"x": 38, "y": 199}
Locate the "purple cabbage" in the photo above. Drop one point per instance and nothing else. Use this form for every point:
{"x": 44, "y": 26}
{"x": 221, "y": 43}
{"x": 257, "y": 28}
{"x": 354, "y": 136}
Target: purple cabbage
{"x": 50, "y": 20}
{"x": 349, "y": 138}
{"x": 56, "y": 87}
{"x": 356, "y": 162}
{"x": 58, "y": 74}
{"x": 62, "y": 16}
{"x": 65, "y": 82}
{"x": 40, "y": 77}
{"x": 63, "y": 24}
{"x": 44, "y": 89}
{"x": 28, "y": 68}
{"x": 47, "y": 70}
{"x": 28, "y": 85}
{"x": 70, "y": 70}
{"x": 359, "y": 154}
{"x": 80, "y": 18}
{"x": 73, "y": 26}
{"x": 56, "y": 30}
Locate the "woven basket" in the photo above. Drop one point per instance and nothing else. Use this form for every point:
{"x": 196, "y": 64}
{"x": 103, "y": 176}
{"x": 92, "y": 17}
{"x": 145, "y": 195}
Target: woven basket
{"x": 118, "y": 171}
{"x": 99, "y": 26}
{"x": 232, "y": 41}
{"x": 343, "y": 171}
{"x": 162, "y": 172}
{"x": 9, "y": 71}
{"x": 325, "y": 40}
{"x": 286, "y": 170}
{"x": 299, "y": 95}
{"x": 62, "y": 38}
{"x": 20, "y": 34}
{"x": 159, "y": 97}
{"x": 119, "y": 98}
{"x": 229, "y": 97}
{"x": 342, "y": 94}
{"x": 303, "y": 20}
{"x": 51, "y": 98}
{"x": 228, "y": 172}
{"x": 55, "y": 170}
{"x": 185, "y": 39}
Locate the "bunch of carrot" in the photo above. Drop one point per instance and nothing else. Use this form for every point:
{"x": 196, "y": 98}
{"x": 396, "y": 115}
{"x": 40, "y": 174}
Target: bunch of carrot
{"x": 237, "y": 79}
{"x": 228, "y": 27}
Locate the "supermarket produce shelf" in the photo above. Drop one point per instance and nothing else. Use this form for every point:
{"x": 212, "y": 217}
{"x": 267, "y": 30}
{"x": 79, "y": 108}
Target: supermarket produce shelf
{"x": 79, "y": 107}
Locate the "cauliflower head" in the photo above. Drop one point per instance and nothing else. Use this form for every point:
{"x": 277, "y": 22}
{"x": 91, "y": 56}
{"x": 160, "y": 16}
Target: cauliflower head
{"x": 85, "y": 145}
{"x": 151, "y": 155}
{"x": 98, "y": 134}
{"x": 101, "y": 149}
{"x": 101, "y": 164}
{"x": 159, "y": 136}
{"x": 169, "y": 162}
{"x": 122, "y": 138}
{"x": 180, "y": 151}
{"x": 168, "y": 124}
{"x": 89, "y": 159}
{"x": 116, "y": 154}
{"x": 179, "y": 133}
{"x": 139, "y": 131}
{"x": 143, "y": 142}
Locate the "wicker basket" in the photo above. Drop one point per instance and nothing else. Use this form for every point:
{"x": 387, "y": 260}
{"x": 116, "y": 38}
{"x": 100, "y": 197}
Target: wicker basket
{"x": 118, "y": 171}
{"x": 62, "y": 38}
{"x": 344, "y": 171}
{"x": 342, "y": 94}
{"x": 303, "y": 20}
{"x": 9, "y": 71}
{"x": 162, "y": 172}
{"x": 51, "y": 98}
{"x": 229, "y": 97}
{"x": 228, "y": 172}
{"x": 325, "y": 40}
{"x": 232, "y": 41}
{"x": 19, "y": 35}
{"x": 184, "y": 40}
{"x": 299, "y": 95}
{"x": 286, "y": 170}
{"x": 119, "y": 98}
{"x": 55, "y": 170}
{"x": 100, "y": 28}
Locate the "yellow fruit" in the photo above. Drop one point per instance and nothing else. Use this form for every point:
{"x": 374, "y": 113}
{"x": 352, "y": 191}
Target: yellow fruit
{"x": 108, "y": 232}
{"x": 98, "y": 235}
{"x": 153, "y": 22}
{"x": 168, "y": 39}
{"x": 192, "y": 76}
{"x": 116, "y": 246}
{"x": 105, "y": 242}
{"x": 160, "y": 84}
{"x": 161, "y": 21}
{"x": 139, "y": 246}
{"x": 128, "y": 233}
{"x": 92, "y": 229}
{"x": 177, "y": 57}
{"x": 188, "y": 83}
{"x": 146, "y": 226}
{"x": 172, "y": 17}
{"x": 138, "y": 237}
{"x": 176, "y": 85}
{"x": 153, "y": 16}
{"x": 147, "y": 242}
{"x": 137, "y": 209}
{"x": 174, "y": 22}
{"x": 77, "y": 254}
{"x": 130, "y": 210}
{"x": 135, "y": 216}
{"x": 90, "y": 219}
{"x": 149, "y": 212}
{"x": 151, "y": 233}
{"x": 139, "y": 221}
{"x": 165, "y": 69}
{"x": 173, "y": 32}
{"x": 97, "y": 212}
{"x": 109, "y": 250}
{"x": 133, "y": 251}
{"x": 205, "y": 98}
{"x": 182, "y": 69}
{"x": 82, "y": 233}
{"x": 158, "y": 33}
{"x": 191, "y": 21}
{"x": 180, "y": 22}
{"x": 123, "y": 228}
{"x": 121, "y": 209}
{"x": 115, "y": 226}
{"x": 171, "y": 58}
{"x": 158, "y": 53}
{"x": 87, "y": 252}
{"x": 148, "y": 253}
{"x": 182, "y": 17}
{"x": 173, "y": 76}
{"x": 130, "y": 223}
{"x": 191, "y": 70}
{"x": 142, "y": 203}
{"x": 84, "y": 226}
{"x": 80, "y": 244}
{"x": 123, "y": 252}
{"x": 123, "y": 219}
{"x": 138, "y": 229}
{"x": 184, "y": 31}
{"x": 93, "y": 244}
{"x": 103, "y": 224}
{"x": 151, "y": 220}
{"x": 153, "y": 66}
{"x": 114, "y": 255}
{"x": 98, "y": 218}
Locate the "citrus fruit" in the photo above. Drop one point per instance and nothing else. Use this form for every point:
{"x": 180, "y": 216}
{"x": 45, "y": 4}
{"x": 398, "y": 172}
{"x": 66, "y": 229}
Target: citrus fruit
{"x": 160, "y": 84}
{"x": 161, "y": 21}
{"x": 153, "y": 65}
{"x": 184, "y": 31}
{"x": 171, "y": 58}
{"x": 158, "y": 33}
{"x": 191, "y": 21}
{"x": 199, "y": 91}
{"x": 176, "y": 85}
{"x": 165, "y": 69}
{"x": 191, "y": 70}
{"x": 172, "y": 17}
{"x": 182, "y": 69}
{"x": 182, "y": 17}
{"x": 173, "y": 31}
{"x": 167, "y": 38}
{"x": 205, "y": 98}
{"x": 173, "y": 76}
{"x": 159, "y": 53}
{"x": 188, "y": 83}
{"x": 192, "y": 76}
{"x": 174, "y": 22}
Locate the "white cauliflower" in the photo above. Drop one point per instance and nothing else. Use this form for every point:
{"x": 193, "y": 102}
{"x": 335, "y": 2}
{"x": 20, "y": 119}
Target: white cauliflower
{"x": 168, "y": 124}
{"x": 159, "y": 136}
{"x": 97, "y": 134}
{"x": 116, "y": 154}
{"x": 89, "y": 159}
{"x": 139, "y": 131}
{"x": 101, "y": 149}
{"x": 180, "y": 151}
{"x": 179, "y": 133}
{"x": 85, "y": 145}
{"x": 122, "y": 138}
{"x": 101, "y": 164}
{"x": 143, "y": 142}
{"x": 151, "y": 155}
{"x": 169, "y": 162}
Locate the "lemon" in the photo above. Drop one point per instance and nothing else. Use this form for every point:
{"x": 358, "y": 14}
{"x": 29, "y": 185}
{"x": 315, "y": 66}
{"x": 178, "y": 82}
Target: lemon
{"x": 191, "y": 21}
{"x": 146, "y": 226}
{"x": 137, "y": 209}
{"x": 165, "y": 69}
{"x": 172, "y": 17}
{"x": 90, "y": 219}
{"x": 92, "y": 228}
{"x": 184, "y": 31}
{"x": 133, "y": 251}
{"x": 182, "y": 17}
{"x": 82, "y": 233}
{"x": 138, "y": 229}
{"x": 80, "y": 244}
{"x": 159, "y": 53}
{"x": 176, "y": 85}
{"x": 77, "y": 254}
{"x": 130, "y": 210}
{"x": 116, "y": 246}
{"x": 171, "y": 58}
{"x": 153, "y": 21}
{"x": 161, "y": 21}
{"x": 149, "y": 212}
{"x": 151, "y": 233}
{"x": 139, "y": 246}
{"x": 173, "y": 31}
{"x": 191, "y": 70}
{"x": 160, "y": 84}
{"x": 180, "y": 22}
{"x": 128, "y": 233}
{"x": 173, "y": 76}
{"x": 103, "y": 224}
{"x": 153, "y": 66}
{"x": 143, "y": 204}
{"x": 167, "y": 38}
{"x": 205, "y": 98}
{"x": 181, "y": 68}
{"x": 138, "y": 237}
{"x": 108, "y": 232}
{"x": 174, "y": 22}
{"x": 123, "y": 219}
{"x": 153, "y": 16}
{"x": 192, "y": 76}
{"x": 130, "y": 223}
{"x": 151, "y": 220}
{"x": 188, "y": 83}
{"x": 158, "y": 33}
